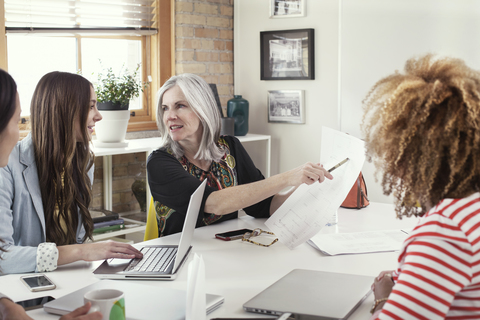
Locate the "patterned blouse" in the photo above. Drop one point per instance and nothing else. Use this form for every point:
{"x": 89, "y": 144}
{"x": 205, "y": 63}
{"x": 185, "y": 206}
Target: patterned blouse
{"x": 172, "y": 181}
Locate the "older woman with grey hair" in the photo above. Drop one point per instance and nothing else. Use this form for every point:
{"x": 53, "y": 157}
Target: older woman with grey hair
{"x": 192, "y": 150}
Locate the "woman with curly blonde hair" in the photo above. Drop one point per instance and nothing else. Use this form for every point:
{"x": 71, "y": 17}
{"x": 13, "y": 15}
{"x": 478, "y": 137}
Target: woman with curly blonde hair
{"x": 422, "y": 129}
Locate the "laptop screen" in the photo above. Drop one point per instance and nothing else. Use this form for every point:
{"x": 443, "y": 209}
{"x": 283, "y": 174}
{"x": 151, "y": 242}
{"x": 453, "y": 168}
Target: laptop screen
{"x": 189, "y": 225}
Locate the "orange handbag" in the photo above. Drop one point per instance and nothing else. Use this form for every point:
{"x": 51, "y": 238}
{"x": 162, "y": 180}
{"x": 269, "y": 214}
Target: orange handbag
{"x": 357, "y": 198}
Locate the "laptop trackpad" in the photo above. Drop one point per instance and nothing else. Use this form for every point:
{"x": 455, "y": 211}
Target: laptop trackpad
{"x": 113, "y": 266}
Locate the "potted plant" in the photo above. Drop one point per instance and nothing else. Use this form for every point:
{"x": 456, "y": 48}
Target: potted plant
{"x": 113, "y": 97}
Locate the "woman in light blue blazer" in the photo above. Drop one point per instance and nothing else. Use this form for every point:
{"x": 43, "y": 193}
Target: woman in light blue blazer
{"x": 9, "y": 134}
{"x": 45, "y": 190}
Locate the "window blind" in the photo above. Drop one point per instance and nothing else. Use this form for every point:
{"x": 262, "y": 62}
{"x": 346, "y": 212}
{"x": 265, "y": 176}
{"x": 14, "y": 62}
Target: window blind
{"x": 58, "y": 16}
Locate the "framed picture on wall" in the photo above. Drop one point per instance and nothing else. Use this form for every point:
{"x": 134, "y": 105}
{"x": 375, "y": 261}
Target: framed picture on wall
{"x": 287, "y": 55}
{"x": 287, "y": 8}
{"x": 286, "y": 106}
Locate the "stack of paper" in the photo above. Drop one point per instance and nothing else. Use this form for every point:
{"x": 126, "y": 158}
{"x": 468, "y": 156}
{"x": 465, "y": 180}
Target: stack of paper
{"x": 359, "y": 242}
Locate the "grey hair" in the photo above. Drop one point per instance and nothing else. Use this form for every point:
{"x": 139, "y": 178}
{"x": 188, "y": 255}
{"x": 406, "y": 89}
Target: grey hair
{"x": 200, "y": 97}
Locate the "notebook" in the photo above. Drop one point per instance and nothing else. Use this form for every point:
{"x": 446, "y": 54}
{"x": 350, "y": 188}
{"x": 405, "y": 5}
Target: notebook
{"x": 326, "y": 295}
{"x": 142, "y": 301}
{"x": 154, "y": 265}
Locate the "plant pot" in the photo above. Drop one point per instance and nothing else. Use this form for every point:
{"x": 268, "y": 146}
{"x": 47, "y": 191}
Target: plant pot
{"x": 111, "y": 130}
{"x": 109, "y": 105}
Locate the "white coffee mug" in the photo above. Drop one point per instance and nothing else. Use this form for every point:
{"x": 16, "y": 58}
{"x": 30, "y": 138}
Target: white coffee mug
{"x": 110, "y": 302}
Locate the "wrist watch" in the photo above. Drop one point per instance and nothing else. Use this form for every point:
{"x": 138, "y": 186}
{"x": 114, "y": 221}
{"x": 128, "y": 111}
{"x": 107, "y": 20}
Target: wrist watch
{"x": 375, "y": 304}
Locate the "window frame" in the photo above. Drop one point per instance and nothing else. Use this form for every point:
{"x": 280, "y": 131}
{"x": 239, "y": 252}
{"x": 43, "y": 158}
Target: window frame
{"x": 138, "y": 114}
{"x": 158, "y": 52}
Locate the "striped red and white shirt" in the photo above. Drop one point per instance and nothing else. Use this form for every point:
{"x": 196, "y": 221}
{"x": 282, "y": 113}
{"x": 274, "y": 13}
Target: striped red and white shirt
{"x": 438, "y": 275}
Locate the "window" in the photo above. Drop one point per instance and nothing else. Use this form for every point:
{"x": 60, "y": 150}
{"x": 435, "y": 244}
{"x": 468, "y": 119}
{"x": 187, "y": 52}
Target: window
{"x": 88, "y": 35}
{"x": 30, "y": 57}
{"x": 119, "y": 54}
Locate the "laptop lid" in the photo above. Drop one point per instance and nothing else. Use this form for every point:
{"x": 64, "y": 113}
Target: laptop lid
{"x": 114, "y": 268}
{"x": 328, "y": 295}
{"x": 189, "y": 225}
{"x": 141, "y": 300}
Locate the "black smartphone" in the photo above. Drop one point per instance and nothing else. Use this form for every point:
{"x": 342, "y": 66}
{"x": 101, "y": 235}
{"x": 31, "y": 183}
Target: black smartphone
{"x": 232, "y": 235}
{"x": 35, "y": 303}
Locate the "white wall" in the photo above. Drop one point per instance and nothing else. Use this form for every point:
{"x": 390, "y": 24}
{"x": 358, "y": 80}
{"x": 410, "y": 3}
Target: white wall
{"x": 292, "y": 144}
{"x": 378, "y": 36}
{"x": 375, "y": 38}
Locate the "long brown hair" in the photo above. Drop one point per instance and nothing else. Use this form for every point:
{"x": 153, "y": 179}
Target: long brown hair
{"x": 422, "y": 129}
{"x": 8, "y": 104}
{"x": 60, "y": 102}
{"x": 8, "y": 98}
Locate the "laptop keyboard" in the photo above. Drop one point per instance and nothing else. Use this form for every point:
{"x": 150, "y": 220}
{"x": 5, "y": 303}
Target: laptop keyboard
{"x": 155, "y": 259}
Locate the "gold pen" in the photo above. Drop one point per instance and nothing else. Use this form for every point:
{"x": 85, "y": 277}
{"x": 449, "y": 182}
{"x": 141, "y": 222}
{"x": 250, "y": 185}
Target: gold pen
{"x": 337, "y": 165}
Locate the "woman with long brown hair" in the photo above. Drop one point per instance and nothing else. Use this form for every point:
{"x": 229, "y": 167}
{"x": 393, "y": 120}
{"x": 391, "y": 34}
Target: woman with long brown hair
{"x": 45, "y": 190}
{"x": 9, "y": 133}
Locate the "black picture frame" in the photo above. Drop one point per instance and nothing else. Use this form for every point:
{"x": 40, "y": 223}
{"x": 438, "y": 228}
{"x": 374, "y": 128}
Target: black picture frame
{"x": 287, "y": 55}
{"x": 287, "y": 8}
{"x": 286, "y": 106}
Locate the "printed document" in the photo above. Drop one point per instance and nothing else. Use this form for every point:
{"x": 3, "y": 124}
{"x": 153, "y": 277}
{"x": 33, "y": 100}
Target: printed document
{"x": 359, "y": 242}
{"x": 313, "y": 206}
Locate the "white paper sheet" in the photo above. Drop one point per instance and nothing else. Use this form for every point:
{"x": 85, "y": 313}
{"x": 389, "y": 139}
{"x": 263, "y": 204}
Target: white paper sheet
{"x": 196, "y": 295}
{"x": 359, "y": 242}
{"x": 311, "y": 207}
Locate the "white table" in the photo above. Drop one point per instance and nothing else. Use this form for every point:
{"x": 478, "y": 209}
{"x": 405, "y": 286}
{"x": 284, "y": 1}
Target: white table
{"x": 238, "y": 270}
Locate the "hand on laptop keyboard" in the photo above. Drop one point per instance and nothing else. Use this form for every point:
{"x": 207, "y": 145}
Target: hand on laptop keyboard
{"x": 154, "y": 260}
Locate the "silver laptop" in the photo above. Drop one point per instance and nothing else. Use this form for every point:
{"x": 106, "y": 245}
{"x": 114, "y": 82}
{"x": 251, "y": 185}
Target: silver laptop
{"x": 142, "y": 301}
{"x": 312, "y": 294}
{"x": 159, "y": 262}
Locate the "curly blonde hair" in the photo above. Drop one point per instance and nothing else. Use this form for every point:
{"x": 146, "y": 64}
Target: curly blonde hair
{"x": 422, "y": 131}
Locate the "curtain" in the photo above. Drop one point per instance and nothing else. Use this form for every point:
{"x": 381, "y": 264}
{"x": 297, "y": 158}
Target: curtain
{"x": 80, "y": 16}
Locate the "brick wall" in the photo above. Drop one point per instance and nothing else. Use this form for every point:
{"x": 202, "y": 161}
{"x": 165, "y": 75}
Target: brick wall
{"x": 204, "y": 46}
{"x": 204, "y": 42}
